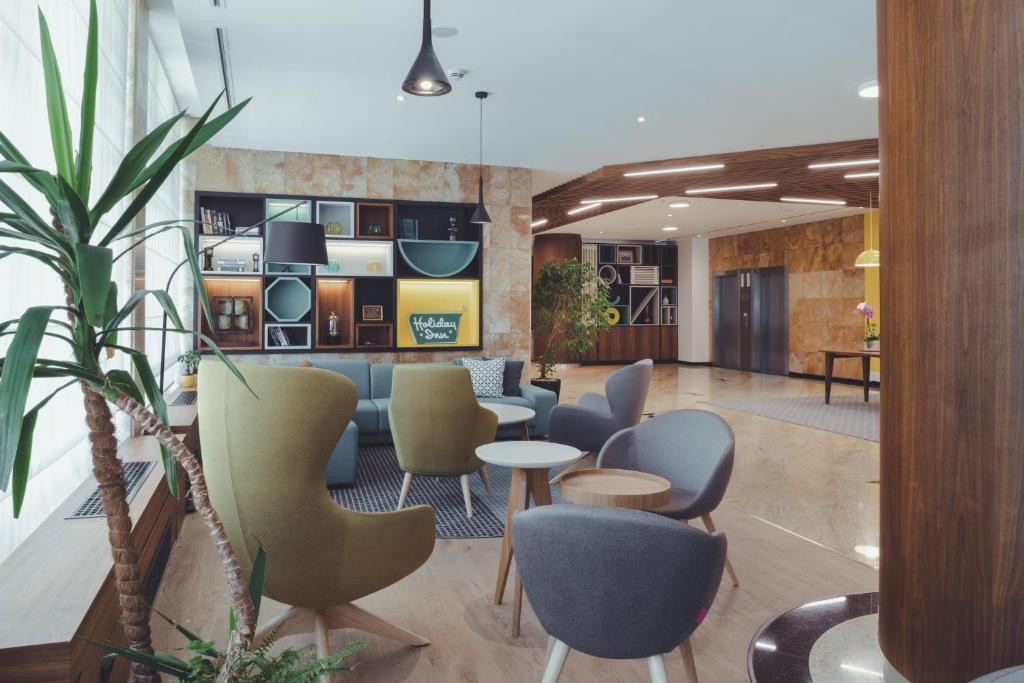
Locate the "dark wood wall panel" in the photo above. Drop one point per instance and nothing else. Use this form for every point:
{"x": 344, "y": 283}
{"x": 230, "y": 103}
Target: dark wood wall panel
{"x": 952, "y": 447}
{"x": 547, "y": 248}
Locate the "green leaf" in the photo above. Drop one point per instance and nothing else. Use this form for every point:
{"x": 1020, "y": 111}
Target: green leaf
{"x": 209, "y": 648}
{"x": 94, "y": 268}
{"x": 174, "y": 154}
{"x": 14, "y": 384}
{"x": 83, "y": 163}
{"x": 29, "y": 221}
{"x": 203, "y": 135}
{"x": 41, "y": 181}
{"x": 134, "y": 161}
{"x": 197, "y": 277}
{"x": 161, "y": 661}
{"x": 111, "y": 311}
{"x": 56, "y": 109}
{"x": 123, "y": 382}
{"x": 256, "y": 578}
{"x": 24, "y": 455}
{"x": 72, "y": 212}
{"x": 134, "y": 300}
{"x": 15, "y": 167}
{"x": 156, "y": 400}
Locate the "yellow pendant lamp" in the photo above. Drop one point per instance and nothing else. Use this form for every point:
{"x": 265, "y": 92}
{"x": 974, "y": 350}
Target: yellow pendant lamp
{"x": 869, "y": 258}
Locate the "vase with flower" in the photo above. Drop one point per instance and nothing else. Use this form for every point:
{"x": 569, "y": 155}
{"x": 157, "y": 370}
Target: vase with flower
{"x": 872, "y": 340}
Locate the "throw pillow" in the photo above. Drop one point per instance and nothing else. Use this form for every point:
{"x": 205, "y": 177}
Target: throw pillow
{"x": 487, "y": 376}
{"x": 513, "y": 377}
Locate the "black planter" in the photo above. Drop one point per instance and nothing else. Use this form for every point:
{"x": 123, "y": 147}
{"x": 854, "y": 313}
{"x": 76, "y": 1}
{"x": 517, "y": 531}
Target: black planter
{"x": 554, "y": 385}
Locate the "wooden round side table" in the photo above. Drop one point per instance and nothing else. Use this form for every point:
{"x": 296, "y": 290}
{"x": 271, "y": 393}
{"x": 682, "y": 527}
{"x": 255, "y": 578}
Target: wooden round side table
{"x": 615, "y": 488}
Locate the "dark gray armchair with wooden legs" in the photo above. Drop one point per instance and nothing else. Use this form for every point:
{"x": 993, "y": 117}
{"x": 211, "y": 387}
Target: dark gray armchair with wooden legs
{"x": 615, "y": 583}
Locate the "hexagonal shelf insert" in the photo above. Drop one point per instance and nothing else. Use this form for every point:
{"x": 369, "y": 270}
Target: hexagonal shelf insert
{"x": 288, "y": 299}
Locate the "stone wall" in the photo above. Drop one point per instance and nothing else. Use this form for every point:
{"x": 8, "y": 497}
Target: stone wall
{"x": 824, "y": 287}
{"x": 507, "y": 241}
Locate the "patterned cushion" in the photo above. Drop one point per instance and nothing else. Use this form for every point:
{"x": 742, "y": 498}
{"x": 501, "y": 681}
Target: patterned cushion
{"x": 487, "y": 376}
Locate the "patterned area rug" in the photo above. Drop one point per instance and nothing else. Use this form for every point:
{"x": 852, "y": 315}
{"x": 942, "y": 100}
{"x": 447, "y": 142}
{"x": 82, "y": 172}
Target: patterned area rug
{"x": 379, "y": 480}
{"x": 848, "y": 415}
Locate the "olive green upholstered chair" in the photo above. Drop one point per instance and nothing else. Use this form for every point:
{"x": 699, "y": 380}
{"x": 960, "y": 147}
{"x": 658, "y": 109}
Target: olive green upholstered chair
{"x": 437, "y": 425}
{"x": 265, "y": 460}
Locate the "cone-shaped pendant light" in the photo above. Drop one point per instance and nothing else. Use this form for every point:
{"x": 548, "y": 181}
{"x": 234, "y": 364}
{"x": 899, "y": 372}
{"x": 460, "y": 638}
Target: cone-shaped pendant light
{"x": 480, "y": 214}
{"x": 426, "y": 78}
{"x": 869, "y": 258}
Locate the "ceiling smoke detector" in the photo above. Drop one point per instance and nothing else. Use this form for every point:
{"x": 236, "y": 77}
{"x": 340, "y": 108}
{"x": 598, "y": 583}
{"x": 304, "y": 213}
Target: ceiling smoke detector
{"x": 456, "y": 74}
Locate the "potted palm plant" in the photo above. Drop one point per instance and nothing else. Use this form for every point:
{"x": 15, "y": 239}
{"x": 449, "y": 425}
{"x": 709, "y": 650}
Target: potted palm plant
{"x": 80, "y": 245}
{"x": 569, "y": 312}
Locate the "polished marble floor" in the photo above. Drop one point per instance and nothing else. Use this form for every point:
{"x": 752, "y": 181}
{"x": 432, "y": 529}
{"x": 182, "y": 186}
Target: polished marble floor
{"x": 817, "y": 484}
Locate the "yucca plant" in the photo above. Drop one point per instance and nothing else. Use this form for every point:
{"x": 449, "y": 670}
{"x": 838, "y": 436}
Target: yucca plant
{"x": 81, "y": 253}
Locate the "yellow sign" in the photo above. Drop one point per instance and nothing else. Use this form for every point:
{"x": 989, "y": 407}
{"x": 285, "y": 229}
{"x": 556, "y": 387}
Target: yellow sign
{"x": 424, "y": 300}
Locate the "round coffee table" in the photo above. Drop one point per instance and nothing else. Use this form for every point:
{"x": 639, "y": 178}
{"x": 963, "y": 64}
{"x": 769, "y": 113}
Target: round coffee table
{"x": 509, "y": 414}
{"x": 615, "y": 488}
{"x": 530, "y": 462}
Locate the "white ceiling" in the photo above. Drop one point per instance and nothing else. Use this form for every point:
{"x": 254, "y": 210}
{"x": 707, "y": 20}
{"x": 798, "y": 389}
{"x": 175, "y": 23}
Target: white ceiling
{"x": 568, "y": 78}
{"x": 704, "y": 218}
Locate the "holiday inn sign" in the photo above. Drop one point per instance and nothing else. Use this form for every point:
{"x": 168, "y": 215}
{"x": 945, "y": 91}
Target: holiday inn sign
{"x": 435, "y": 328}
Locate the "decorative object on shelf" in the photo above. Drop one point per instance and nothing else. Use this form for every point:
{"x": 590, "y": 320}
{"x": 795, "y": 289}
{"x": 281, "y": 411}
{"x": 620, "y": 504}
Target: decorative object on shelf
{"x": 375, "y": 266}
{"x": 426, "y": 78}
{"x": 255, "y": 263}
{"x": 373, "y": 312}
{"x": 609, "y": 274}
{"x": 189, "y": 367}
{"x": 435, "y": 328}
{"x": 288, "y": 299}
{"x": 625, "y": 257}
{"x": 869, "y": 258}
{"x": 480, "y": 214}
{"x": 644, "y": 275}
{"x": 333, "y": 266}
{"x": 333, "y": 229}
{"x": 409, "y": 229}
{"x": 613, "y": 315}
{"x": 375, "y": 229}
{"x": 437, "y": 258}
{"x": 332, "y": 327}
{"x": 233, "y": 313}
{"x": 208, "y": 259}
{"x": 569, "y": 304}
{"x": 664, "y": 301}
{"x": 453, "y": 228}
{"x": 643, "y": 310}
{"x": 231, "y": 265}
{"x": 872, "y": 340}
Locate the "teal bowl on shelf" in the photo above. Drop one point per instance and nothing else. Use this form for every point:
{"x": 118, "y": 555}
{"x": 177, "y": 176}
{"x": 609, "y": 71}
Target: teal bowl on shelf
{"x": 437, "y": 258}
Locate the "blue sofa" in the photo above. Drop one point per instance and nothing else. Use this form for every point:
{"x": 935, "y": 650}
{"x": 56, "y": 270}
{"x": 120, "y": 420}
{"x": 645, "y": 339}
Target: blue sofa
{"x": 370, "y": 423}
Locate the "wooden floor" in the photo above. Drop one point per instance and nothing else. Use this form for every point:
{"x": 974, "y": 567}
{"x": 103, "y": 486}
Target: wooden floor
{"x": 448, "y": 600}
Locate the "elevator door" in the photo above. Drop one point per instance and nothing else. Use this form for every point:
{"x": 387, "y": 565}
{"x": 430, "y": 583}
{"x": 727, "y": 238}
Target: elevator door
{"x": 750, "y": 317}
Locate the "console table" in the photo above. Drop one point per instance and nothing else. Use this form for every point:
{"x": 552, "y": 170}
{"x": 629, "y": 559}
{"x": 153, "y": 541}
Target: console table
{"x": 865, "y": 358}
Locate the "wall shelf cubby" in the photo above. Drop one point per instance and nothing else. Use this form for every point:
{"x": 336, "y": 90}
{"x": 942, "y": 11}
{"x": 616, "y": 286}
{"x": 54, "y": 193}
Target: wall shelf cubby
{"x": 643, "y": 306}
{"x": 334, "y": 295}
{"x": 375, "y": 221}
{"x": 374, "y": 335}
{"x": 338, "y": 219}
{"x": 358, "y": 259}
{"x": 231, "y": 258}
{"x": 236, "y": 304}
{"x": 629, "y": 254}
{"x": 367, "y": 281}
{"x": 287, "y": 299}
{"x": 287, "y": 336}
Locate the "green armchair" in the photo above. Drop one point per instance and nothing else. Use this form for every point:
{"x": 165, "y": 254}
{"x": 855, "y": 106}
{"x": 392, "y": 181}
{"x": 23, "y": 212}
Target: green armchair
{"x": 437, "y": 425}
{"x": 265, "y": 460}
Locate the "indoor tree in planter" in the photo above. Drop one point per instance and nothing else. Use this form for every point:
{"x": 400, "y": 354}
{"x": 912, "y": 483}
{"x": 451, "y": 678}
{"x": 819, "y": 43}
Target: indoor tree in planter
{"x": 569, "y": 312}
{"x": 80, "y": 247}
{"x": 189, "y": 368}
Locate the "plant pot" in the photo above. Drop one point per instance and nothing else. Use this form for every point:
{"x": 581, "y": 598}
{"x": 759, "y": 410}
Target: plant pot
{"x": 554, "y": 385}
{"x": 187, "y": 381}
{"x": 874, "y": 345}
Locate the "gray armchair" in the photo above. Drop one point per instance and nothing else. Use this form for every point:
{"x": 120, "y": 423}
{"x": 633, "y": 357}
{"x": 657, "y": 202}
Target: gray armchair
{"x": 693, "y": 449}
{"x": 594, "y": 418}
{"x": 614, "y": 583}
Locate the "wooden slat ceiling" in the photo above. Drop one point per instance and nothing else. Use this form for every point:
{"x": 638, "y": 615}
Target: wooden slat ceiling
{"x": 787, "y": 166}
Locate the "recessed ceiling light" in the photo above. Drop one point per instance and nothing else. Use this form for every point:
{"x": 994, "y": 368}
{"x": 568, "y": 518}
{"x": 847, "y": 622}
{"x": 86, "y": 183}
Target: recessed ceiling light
{"x": 679, "y": 205}
{"x": 842, "y": 164}
{"x": 811, "y": 200}
{"x": 670, "y": 228}
{"x": 698, "y": 235}
{"x": 581, "y": 209}
{"x": 538, "y": 223}
{"x": 868, "y": 89}
{"x": 677, "y": 169}
{"x": 731, "y": 188}
{"x": 400, "y": 98}
{"x": 783, "y": 220}
{"x": 634, "y": 198}
{"x": 863, "y": 174}
{"x": 640, "y": 119}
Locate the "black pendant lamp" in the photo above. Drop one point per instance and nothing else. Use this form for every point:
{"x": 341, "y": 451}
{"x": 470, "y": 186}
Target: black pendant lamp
{"x": 480, "y": 214}
{"x": 426, "y": 78}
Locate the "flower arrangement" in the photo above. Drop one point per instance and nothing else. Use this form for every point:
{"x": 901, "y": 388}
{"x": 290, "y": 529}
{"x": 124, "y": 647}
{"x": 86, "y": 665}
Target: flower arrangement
{"x": 871, "y": 337}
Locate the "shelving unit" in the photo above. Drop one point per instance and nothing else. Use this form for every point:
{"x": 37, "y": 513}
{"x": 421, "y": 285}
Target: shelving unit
{"x": 228, "y": 332}
{"x": 292, "y": 304}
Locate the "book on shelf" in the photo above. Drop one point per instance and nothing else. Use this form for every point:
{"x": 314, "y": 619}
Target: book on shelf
{"x": 216, "y": 222}
{"x": 280, "y": 338}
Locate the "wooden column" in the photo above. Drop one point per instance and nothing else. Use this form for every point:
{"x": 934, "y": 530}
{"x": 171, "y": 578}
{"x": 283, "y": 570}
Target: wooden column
{"x": 952, "y": 199}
